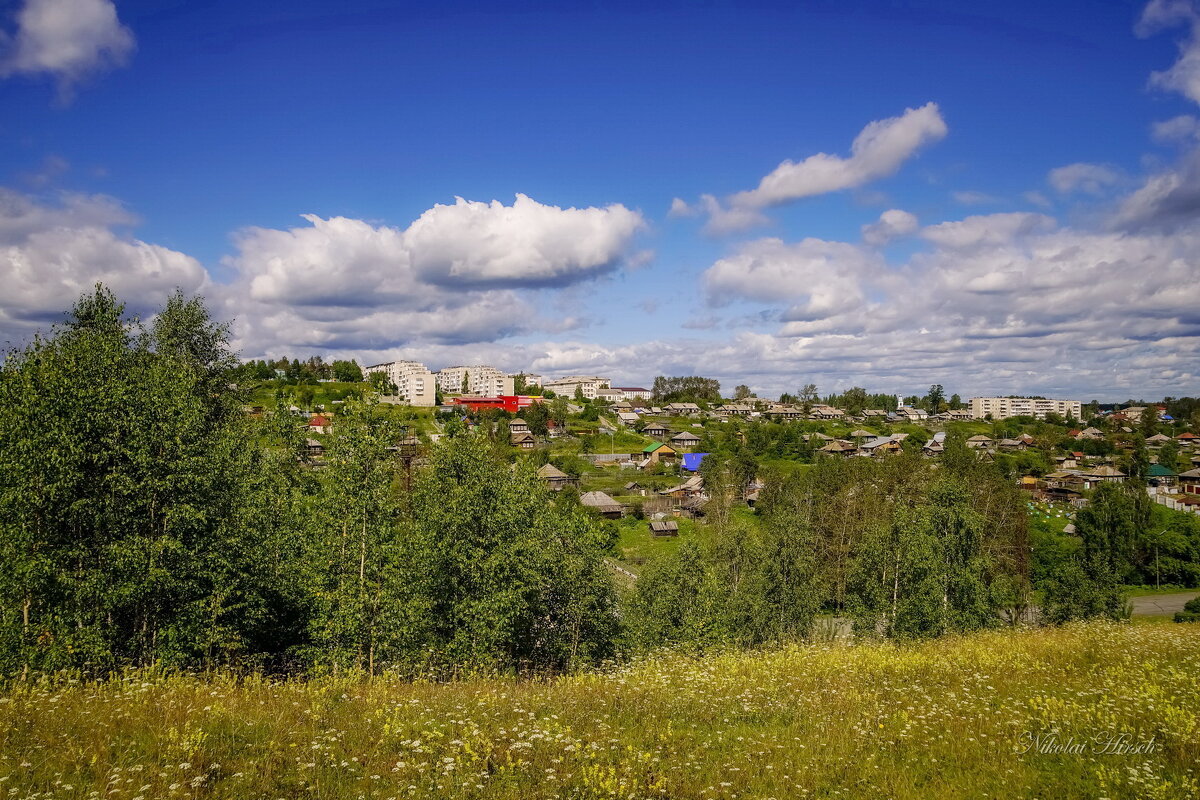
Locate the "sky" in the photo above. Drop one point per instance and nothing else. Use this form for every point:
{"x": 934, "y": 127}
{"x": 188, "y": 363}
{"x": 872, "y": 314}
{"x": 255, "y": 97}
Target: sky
{"x": 1001, "y": 200}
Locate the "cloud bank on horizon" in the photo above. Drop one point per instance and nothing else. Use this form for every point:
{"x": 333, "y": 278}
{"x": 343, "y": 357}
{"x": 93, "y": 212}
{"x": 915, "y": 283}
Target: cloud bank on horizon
{"x": 1100, "y": 300}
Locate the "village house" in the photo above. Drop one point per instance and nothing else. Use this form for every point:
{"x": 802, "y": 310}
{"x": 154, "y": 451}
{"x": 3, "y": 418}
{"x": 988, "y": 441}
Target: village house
{"x": 523, "y": 440}
{"x": 783, "y": 413}
{"x": 881, "y": 446}
{"x": 685, "y": 440}
{"x": 909, "y": 414}
{"x": 692, "y": 487}
{"x": 554, "y": 478}
{"x": 825, "y": 412}
{"x": 979, "y": 441}
{"x": 319, "y": 423}
{"x": 627, "y": 417}
{"x": 876, "y": 414}
{"x": 735, "y": 410}
{"x": 839, "y": 447}
{"x": 1160, "y": 478}
{"x": 655, "y": 430}
{"x": 602, "y": 504}
{"x": 1189, "y": 482}
{"x": 315, "y": 449}
{"x": 682, "y": 409}
{"x": 518, "y": 425}
{"x": 659, "y": 453}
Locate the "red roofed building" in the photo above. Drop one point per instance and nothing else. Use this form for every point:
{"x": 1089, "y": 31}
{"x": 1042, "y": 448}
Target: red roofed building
{"x": 512, "y": 403}
{"x": 319, "y": 424}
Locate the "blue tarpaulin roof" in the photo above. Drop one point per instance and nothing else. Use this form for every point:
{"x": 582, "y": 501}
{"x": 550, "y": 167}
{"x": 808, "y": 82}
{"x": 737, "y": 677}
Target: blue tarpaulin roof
{"x": 691, "y": 461}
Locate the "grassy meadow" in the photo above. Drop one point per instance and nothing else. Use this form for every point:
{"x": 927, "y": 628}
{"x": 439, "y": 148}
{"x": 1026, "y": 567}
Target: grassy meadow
{"x": 941, "y": 719}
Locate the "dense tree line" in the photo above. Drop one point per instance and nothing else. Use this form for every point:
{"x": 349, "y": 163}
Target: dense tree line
{"x": 146, "y": 519}
{"x": 686, "y": 389}
{"x": 900, "y": 547}
{"x": 315, "y": 368}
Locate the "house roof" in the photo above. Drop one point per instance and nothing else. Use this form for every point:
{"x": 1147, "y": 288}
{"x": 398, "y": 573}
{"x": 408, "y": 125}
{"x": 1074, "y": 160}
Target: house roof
{"x": 1105, "y": 471}
{"x": 551, "y": 471}
{"x": 861, "y": 434}
{"x": 599, "y": 500}
{"x": 685, "y": 435}
{"x": 1191, "y": 473}
{"x": 1159, "y": 471}
{"x": 664, "y": 526}
{"x": 980, "y": 438}
{"x": 318, "y": 421}
{"x": 650, "y": 448}
{"x": 691, "y": 461}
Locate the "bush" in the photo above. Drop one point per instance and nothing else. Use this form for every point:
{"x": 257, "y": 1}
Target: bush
{"x": 1191, "y": 611}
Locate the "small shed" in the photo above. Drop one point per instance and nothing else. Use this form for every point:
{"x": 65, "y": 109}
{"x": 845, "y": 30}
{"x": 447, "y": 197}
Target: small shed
{"x": 664, "y": 527}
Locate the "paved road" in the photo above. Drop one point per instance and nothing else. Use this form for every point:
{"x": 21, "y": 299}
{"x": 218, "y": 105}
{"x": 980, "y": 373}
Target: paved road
{"x": 1160, "y": 605}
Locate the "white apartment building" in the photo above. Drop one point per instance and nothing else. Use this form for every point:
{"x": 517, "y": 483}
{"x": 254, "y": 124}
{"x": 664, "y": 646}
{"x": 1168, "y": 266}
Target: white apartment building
{"x": 530, "y": 379}
{"x": 414, "y": 383}
{"x": 1002, "y": 407}
{"x": 588, "y": 384}
{"x": 633, "y": 392}
{"x": 481, "y": 381}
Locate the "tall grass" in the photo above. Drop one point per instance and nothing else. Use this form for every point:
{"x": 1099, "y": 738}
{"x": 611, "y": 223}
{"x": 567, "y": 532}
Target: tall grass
{"x": 942, "y": 719}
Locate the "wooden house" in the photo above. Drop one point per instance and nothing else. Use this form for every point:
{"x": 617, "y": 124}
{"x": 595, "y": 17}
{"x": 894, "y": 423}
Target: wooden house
{"x": 685, "y": 440}
{"x": 655, "y": 430}
{"x": 664, "y": 527}
{"x": 656, "y": 453}
{"x": 602, "y": 504}
{"x": 554, "y": 478}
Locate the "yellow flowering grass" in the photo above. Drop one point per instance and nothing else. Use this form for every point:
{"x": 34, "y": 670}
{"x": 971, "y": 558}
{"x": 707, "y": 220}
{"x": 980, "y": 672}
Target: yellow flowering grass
{"x": 1003, "y": 714}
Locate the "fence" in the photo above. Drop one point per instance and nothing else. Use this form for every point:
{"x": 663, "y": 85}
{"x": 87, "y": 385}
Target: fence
{"x": 1175, "y": 505}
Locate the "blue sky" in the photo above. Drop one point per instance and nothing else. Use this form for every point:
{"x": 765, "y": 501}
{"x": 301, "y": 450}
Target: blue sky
{"x": 1035, "y": 166}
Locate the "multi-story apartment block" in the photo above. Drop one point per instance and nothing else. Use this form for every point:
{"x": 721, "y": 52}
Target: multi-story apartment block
{"x": 1002, "y": 407}
{"x": 413, "y": 381}
{"x": 479, "y": 380}
{"x": 530, "y": 379}
{"x": 633, "y": 392}
{"x": 588, "y": 384}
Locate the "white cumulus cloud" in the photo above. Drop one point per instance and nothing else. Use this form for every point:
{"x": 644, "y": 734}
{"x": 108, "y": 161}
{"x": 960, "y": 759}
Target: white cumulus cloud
{"x": 68, "y": 39}
{"x": 52, "y": 252}
{"x": 1091, "y": 179}
{"x": 892, "y": 224}
{"x": 453, "y": 275}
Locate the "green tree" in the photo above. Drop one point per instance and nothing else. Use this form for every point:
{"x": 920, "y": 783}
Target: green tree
{"x": 347, "y": 371}
{"x": 368, "y": 608}
{"x": 935, "y": 398}
{"x": 123, "y": 497}
{"x": 511, "y": 577}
